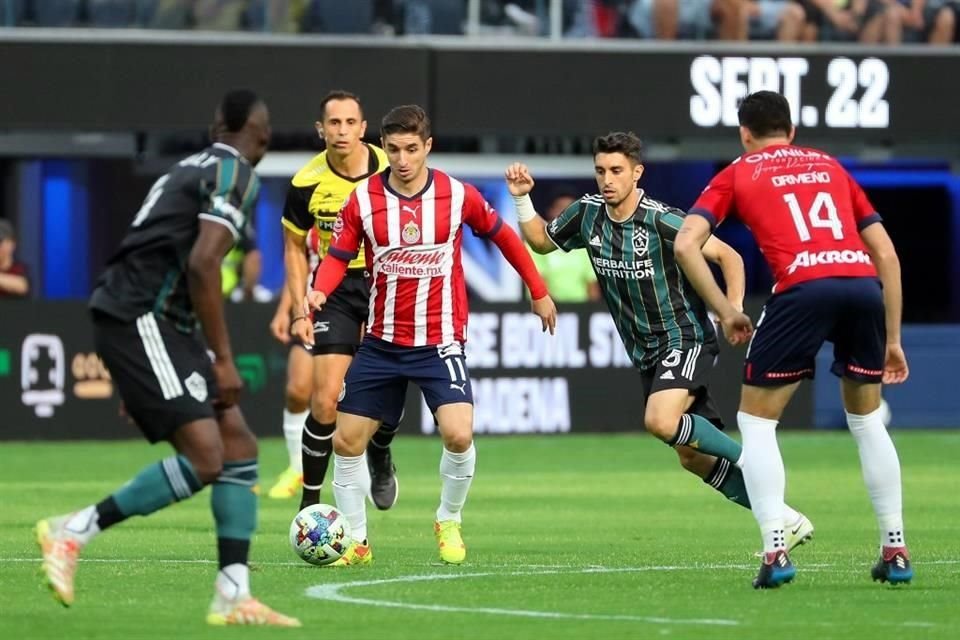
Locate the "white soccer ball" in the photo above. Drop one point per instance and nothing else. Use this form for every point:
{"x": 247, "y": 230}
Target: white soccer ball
{"x": 320, "y": 534}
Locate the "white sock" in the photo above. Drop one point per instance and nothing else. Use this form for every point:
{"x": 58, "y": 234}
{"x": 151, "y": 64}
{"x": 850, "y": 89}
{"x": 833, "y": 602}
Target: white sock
{"x": 83, "y": 525}
{"x": 456, "y": 474}
{"x": 351, "y": 483}
{"x": 293, "y": 434}
{"x": 881, "y": 473}
{"x": 764, "y": 477}
{"x": 233, "y": 582}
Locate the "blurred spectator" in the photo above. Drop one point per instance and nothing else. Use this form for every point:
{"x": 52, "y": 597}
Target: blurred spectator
{"x": 932, "y": 21}
{"x": 866, "y": 21}
{"x": 277, "y": 16}
{"x": 422, "y": 17}
{"x": 12, "y": 12}
{"x": 240, "y": 272}
{"x": 171, "y": 14}
{"x": 599, "y": 18}
{"x": 218, "y": 15}
{"x": 113, "y": 14}
{"x": 338, "y": 16}
{"x": 690, "y": 19}
{"x": 782, "y": 20}
{"x": 569, "y": 276}
{"x": 14, "y": 282}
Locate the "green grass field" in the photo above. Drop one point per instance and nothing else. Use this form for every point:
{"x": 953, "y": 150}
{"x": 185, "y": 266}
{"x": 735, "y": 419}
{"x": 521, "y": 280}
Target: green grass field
{"x": 568, "y": 537}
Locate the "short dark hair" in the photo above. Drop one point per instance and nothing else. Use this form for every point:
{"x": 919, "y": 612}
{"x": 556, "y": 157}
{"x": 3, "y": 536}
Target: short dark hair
{"x": 626, "y": 143}
{"x": 407, "y": 118}
{"x": 765, "y": 113}
{"x": 339, "y": 94}
{"x": 236, "y": 106}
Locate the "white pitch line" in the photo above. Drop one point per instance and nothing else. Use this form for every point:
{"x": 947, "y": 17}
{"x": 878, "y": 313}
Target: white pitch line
{"x": 332, "y": 592}
{"x": 549, "y": 567}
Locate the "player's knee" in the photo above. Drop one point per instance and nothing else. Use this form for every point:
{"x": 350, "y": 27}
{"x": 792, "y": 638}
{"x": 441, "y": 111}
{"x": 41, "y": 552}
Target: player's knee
{"x": 347, "y": 442}
{"x": 323, "y": 405}
{"x": 661, "y": 424}
{"x": 458, "y": 441}
{"x": 298, "y": 396}
{"x": 207, "y": 463}
{"x": 242, "y": 444}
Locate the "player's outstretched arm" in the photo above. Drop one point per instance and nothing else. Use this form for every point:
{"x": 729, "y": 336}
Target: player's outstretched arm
{"x": 203, "y": 280}
{"x": 731, "y": 266}
{"x": 532, "y": 226}
{"x": 884, "y": 257}
{"x": 688, "y": 248}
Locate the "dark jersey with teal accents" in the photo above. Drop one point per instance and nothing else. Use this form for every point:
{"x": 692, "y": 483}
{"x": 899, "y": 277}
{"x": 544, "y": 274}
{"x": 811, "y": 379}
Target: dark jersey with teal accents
{"x": 148, "y": 271}
{"x": 653, "y": 305}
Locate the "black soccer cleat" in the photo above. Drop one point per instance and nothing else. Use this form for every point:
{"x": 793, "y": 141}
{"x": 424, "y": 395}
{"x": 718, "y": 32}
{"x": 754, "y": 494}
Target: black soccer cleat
{"x": 893, "y": 566}
{"x": 384, "y": 488}
{"x": 776, "y": 570}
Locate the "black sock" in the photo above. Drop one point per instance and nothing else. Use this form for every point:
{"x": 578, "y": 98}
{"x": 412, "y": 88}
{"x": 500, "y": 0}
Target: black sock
{"x": 383, "y": 437}
{"x": 232, "y": 551}
{"x": 108, "y": 513}
{"x": 317, "y": 449}
{"x": 727, "y": 478}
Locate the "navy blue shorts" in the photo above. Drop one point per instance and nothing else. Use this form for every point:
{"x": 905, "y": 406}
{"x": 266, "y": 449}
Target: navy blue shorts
{"x": 376, "y": 382}
{"x": 848, "y": 312}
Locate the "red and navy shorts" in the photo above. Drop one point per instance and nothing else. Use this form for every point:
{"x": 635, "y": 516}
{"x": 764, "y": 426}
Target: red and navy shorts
{"x": 794, "y": 324}
{"x": 377, "y": 380}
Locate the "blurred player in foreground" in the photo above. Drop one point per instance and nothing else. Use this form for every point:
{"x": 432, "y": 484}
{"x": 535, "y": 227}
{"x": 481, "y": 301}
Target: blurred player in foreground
{"x": 161, "y": 284}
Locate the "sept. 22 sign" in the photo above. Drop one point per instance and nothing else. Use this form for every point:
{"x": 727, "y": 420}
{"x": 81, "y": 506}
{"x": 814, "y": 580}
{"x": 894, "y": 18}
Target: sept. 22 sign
{"x": 856, "y": 90}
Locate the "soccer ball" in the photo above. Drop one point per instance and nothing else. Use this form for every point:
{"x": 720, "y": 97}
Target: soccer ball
{"x": 320, "y": 534}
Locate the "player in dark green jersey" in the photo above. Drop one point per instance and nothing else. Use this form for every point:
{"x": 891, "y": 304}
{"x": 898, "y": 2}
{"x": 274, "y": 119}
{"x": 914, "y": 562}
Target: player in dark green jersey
{"x": 157, "y": 309}
{"x": 661, "y": 319}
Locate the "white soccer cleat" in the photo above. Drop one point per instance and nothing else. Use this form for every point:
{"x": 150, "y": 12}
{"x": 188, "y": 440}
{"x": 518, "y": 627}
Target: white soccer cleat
{"x": 798, "y": 533}
{"x": 795, "y": 534}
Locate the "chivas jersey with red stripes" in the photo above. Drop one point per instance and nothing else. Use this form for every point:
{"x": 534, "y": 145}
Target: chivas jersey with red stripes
{"x": 418, "y": 295}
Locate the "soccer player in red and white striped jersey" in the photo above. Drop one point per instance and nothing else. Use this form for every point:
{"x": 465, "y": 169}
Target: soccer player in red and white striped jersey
{"x": 410, "y": 219}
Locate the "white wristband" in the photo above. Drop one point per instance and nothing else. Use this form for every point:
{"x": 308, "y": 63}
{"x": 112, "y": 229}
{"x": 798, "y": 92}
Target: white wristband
{"x": 525, "y": 210}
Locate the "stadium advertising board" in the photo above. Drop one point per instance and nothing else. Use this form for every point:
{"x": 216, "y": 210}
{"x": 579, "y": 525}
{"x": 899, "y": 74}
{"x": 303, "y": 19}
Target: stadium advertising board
{"x": 53, "y": 385}
{"x": 683, "y": 93}
{"x": 688, "y": 94}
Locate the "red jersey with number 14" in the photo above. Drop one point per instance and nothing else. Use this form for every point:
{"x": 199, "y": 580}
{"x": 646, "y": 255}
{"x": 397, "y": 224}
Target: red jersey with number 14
{"x": 418, "y": 295}
{"x": 804, "y": 209}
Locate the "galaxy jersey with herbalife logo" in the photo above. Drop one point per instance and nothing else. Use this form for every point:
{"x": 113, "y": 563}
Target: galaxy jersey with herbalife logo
{"x": 654, "y": 306}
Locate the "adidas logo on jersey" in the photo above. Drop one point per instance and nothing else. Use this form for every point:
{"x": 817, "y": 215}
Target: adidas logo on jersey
{"x": 667, "y": 375}
{"x": 595, "y": 241}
